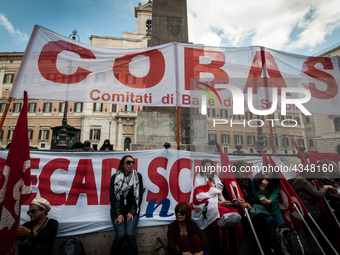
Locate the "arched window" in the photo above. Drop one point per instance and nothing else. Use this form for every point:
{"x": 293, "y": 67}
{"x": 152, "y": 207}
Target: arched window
{"x": 148, "y": 27}
{"x": 127, "y": 142}
{"x": 337, "y": 124}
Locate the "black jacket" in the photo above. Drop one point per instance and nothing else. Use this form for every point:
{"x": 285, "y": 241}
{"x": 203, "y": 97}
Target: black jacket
{"x": 118, "y": 207}
{"x": 43, "y": 244}
{"x": 246, "y": 188}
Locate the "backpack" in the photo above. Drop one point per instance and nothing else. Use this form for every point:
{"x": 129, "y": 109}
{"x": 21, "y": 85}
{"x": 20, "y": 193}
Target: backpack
{"x": 291, "y": 242}
{"x": 71, "y": 246}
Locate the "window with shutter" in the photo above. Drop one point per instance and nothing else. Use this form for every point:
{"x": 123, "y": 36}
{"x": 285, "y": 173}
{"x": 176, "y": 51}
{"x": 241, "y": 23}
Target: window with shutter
{"x": 32, "y": 107}
{"x": 17, "y": 107}
{"x": 47, "y": 107}
{"x": 94, "y": 134}
{"x": 30, "y": 134}
{"x": 78, "y": 107}
{"x": 8, "y": 78}
{"x": 61, "y": 107}
{"x": 114, "y": 108}
{"x": 97, "y": 107}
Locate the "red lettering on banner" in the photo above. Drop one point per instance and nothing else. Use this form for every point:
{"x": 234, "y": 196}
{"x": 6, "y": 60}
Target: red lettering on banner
{"x": 175, "y": 190}
{"x": 45, "y": 181}
{"x": 47, "y": 62}
{"x": 158, "y": 179}
{"x": 185, "y": 99}
{"x": 156, "y": 70}
{"x": 193, "y": 68}
{"x": 308, "y": 68}
{"x": 255, "y": 79}
{"x": 91, "y": 95}
{"x": 84, "y": 172}
{"x": 107, "y": 166}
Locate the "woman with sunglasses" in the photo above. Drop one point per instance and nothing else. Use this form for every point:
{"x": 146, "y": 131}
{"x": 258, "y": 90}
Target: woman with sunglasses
{"x": 183, "y": 235}
{"x": 39, "y": 233}
{"x": 126, "y": 192}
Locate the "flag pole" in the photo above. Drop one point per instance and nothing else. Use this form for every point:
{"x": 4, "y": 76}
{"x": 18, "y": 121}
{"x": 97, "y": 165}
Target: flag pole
{"x": 3, "y": 117}
{"x": 321, "y": 232}
{"x": 304, "y": 221}
{"x": 331, "y": 211}
{"x": 309, "y": 229}
{"x": 253, "y": 229}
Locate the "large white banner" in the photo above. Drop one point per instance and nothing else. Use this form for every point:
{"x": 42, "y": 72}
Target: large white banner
{"x": 262, "y": 80}
{"x": 77, "y": 185}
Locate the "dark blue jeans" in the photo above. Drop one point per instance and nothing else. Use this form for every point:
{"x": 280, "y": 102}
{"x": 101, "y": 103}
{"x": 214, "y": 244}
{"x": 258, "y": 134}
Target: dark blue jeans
{"x": 125, "y": 230}
{"x": 278, "y": 218}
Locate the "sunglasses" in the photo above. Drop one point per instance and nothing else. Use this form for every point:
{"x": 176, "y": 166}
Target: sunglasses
{"x": 31, "y": 211}
{"x": 129, "y": 162}
{"x": 181, "y": 213}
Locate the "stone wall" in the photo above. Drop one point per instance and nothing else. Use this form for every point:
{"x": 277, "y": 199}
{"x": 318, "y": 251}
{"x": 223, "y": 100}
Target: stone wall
{"x": 99, "y": 243}
{"x": 328, "y": 145}
{"x": 154, "y": 128}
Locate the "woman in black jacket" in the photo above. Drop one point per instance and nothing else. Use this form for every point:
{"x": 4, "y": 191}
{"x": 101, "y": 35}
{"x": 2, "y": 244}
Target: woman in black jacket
{"x": 126, "y": 192}
{"x": 106, "y": 146}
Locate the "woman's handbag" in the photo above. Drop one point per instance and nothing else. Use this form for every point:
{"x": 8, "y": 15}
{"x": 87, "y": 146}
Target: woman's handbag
{"x": 257, "y": 209}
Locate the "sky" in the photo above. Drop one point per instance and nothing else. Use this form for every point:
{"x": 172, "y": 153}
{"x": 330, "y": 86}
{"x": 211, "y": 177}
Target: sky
{"x": 306, "y": 27}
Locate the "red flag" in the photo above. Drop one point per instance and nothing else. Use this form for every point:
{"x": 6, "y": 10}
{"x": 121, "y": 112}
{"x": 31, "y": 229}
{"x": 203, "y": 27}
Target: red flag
{"x": 16, "y": 182}
{"x": 304, "y": 160}
{"x": 233, "y": 190}
{"x": 286, "y": 198}
{"x": 265, "y": 161}
{"x": 228, "y": 178}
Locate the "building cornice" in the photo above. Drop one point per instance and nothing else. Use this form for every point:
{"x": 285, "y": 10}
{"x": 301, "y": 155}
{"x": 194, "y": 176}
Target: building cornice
{"x": 8, "y": 55}
{"x": 143, "y": 8}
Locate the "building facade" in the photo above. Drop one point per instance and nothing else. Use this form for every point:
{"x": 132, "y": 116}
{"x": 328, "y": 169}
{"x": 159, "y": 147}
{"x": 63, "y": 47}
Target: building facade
{"x": 246, "y": 129}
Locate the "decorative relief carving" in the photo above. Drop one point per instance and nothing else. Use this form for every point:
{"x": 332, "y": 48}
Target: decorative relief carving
{"x": 174, "y": 25}
{"x": 127, "y": 123}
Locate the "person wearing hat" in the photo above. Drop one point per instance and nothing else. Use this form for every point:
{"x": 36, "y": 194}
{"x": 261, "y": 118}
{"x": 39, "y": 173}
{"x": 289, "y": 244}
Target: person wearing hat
{"x": 39, "y": 233}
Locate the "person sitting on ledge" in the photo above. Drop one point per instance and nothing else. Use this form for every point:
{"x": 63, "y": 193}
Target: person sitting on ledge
{"x": 126, "y": 193}
{"x": 183, "y": 235}
{"x": 38, "y": 234}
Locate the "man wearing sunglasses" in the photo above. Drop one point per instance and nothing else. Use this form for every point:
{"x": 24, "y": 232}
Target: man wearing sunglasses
{"x": 126, "y": 192}
{"x": 38, "y": 234}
